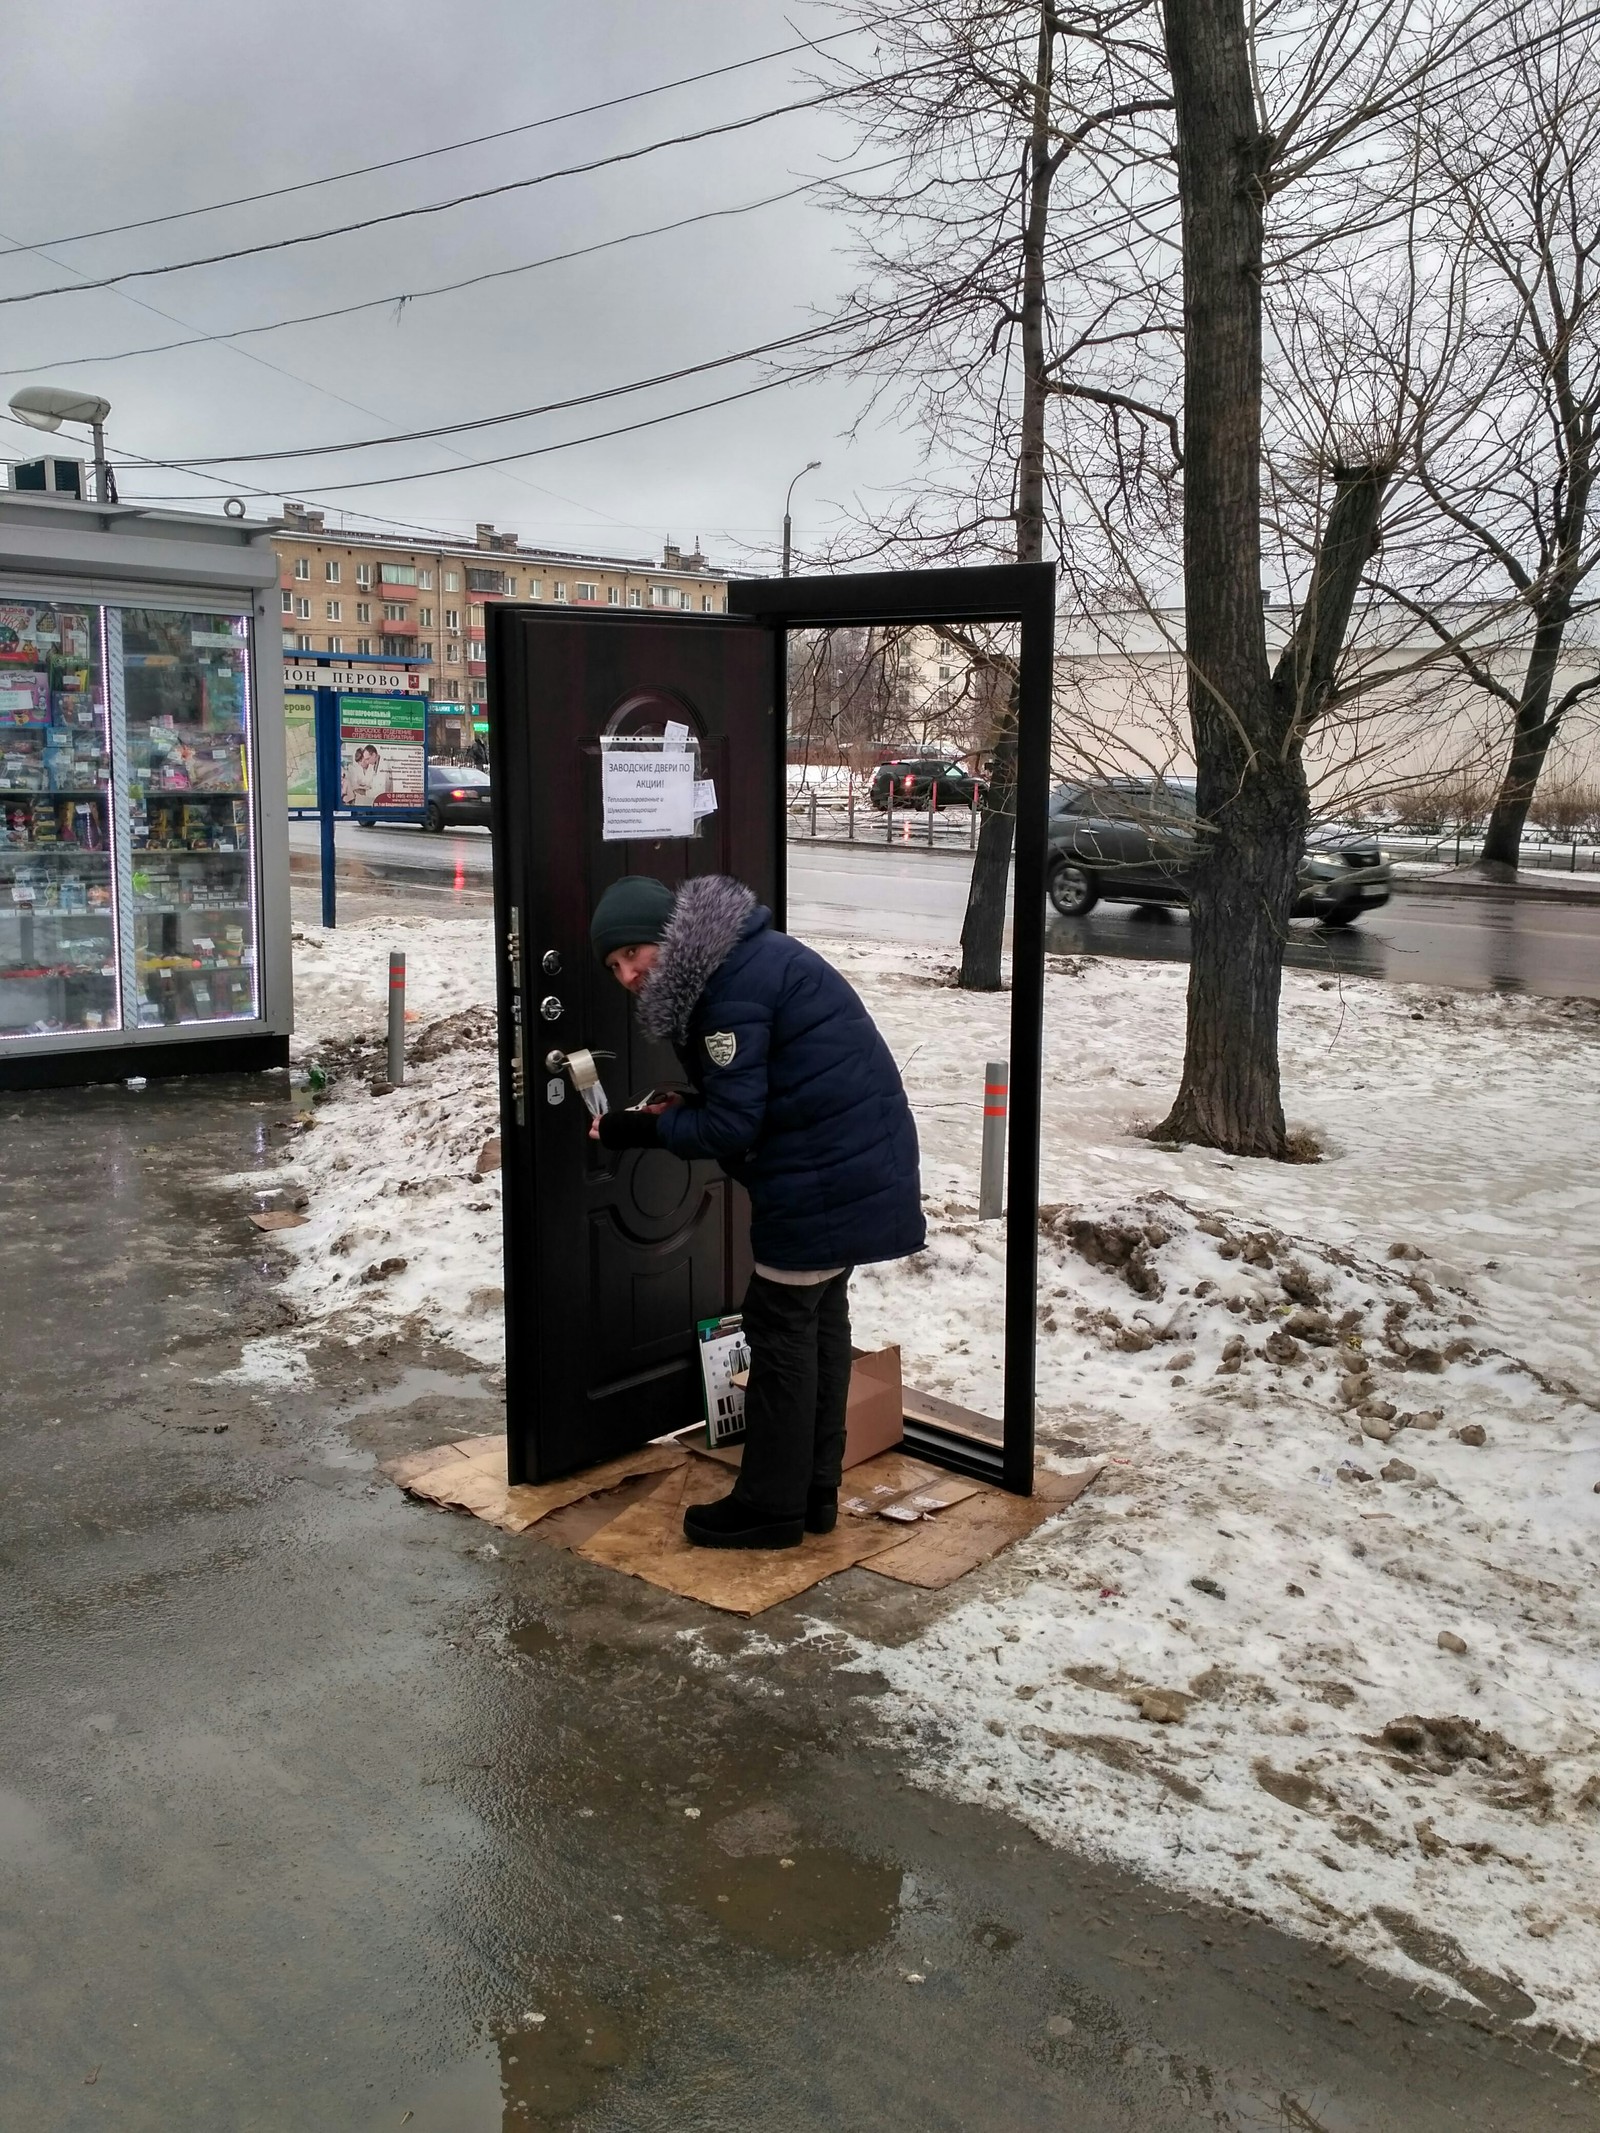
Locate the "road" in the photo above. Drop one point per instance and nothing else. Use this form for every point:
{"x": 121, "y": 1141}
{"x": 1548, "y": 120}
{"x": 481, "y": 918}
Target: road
{"x": 1424, "y": 936}
{"x": 323, "y": 1812}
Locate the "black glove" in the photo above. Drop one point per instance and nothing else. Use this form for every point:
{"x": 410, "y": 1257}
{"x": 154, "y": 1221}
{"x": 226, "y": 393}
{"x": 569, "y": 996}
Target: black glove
{"x": 629, "y": 1129}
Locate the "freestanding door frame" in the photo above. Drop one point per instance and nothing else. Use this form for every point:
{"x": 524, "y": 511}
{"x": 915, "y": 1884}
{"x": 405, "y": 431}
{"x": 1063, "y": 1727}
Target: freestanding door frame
{"x": 1021, "y": 594}
{"x": 1025, "y": 594}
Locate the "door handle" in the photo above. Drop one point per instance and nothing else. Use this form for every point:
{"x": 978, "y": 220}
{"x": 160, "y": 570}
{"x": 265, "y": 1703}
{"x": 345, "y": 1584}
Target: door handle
{"x": 581, "y": 1070}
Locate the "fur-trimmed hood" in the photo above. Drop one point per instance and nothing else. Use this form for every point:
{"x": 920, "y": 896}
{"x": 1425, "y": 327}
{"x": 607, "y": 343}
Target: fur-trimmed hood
{"x": 707, "y": 920}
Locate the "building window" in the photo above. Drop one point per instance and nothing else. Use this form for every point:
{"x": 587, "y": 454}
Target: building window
{"x": 363, "y": 648}
{"x": 451, "y": 690}
{"x": 330, "y": 571}
{"x": 397, "y": 573}
{"x": 364, "y": 576}
{"x": 452, "y": 655}
{"x": 636, "y": 598}
{"x": 335, "y": 610}
{"x": 425, "y": 580}
{"x": 536, "y": 588}
{"x": 335, "y": 644}
{"x": 302, "y": 608}
{"x": 425, "y": 617}
{"x": 475, "y": 615}
{"x": 479, "y": 691}
{"x": 451, "y": 582}
{"x": 486, "y": 581}
{"x": 302, "y": 567}
{"x": 288, "y": 603}
{"x": 425, "y": 651}
{"x": 510, "y": 586}
{"x": 561, "y": 590}
{"x": 705, "y": 603}
{"x": 613, "y": 596}
{"x": 475, "y": 649}
{"x": 395, "y": 611}
{"x": 363, "y": 610}
{"x": 395, "y": 647}
{"x": 452, "y": 618}
{"x": 583, "y": 590}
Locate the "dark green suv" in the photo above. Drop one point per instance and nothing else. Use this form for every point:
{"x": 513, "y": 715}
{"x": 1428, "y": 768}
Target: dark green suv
{"x": 1132, "y": 840}
{"x": 925, "y": 781}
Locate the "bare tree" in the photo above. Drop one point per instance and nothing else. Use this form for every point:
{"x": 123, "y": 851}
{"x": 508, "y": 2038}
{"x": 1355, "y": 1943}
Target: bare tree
{"x": 1036, "y": 327}
{"x": 1507, "y": 465}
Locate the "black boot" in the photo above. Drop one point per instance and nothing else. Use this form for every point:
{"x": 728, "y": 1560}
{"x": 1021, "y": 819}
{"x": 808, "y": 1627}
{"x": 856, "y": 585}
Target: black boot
{"x": 732, "y": 1524}
{"x": 822, "y": 1510}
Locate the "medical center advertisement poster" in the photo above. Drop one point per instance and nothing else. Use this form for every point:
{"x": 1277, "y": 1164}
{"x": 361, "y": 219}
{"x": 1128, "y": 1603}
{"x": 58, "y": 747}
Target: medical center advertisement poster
{"x": 381, "y": 750}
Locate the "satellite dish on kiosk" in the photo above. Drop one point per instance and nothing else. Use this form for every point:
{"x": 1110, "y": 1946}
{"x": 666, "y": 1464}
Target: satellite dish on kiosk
{"x": 46, "y": 407}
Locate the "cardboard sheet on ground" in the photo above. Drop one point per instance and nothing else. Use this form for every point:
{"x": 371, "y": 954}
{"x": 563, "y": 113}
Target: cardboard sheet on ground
{"x": 648, "y": 1543}
{"x": 470, "y": 1475}
{"x": 643, "y": 1534}
{"x": 943, "y": 1548}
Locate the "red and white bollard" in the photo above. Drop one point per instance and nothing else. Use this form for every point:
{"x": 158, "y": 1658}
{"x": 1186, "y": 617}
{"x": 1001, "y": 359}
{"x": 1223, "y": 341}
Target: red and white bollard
{"x": 397, "y": 1017}
{"x": 991, "y": 1181}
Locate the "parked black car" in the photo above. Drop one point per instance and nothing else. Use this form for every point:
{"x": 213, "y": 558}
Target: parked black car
{"x": 923, "y": 781}
{"x": 1132, "y": 840}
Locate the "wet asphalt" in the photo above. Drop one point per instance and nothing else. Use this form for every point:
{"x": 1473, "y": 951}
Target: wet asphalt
{"x": 320, "y": 1810}
{"x": 1542, "y": 938}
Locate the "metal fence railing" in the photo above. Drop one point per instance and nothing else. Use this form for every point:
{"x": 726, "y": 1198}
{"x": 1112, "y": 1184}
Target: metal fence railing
{"x": 845, "y": 814}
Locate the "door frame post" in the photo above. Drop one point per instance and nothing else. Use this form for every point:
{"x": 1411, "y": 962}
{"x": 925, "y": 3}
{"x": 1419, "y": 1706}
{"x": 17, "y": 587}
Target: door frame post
{"x": 1023, "y": 593}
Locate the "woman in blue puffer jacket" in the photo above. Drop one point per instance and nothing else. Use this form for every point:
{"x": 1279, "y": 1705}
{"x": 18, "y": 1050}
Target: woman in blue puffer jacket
{"x": 797, "y": 1096}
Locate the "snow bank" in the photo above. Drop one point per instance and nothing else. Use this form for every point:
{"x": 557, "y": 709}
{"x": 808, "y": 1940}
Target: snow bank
{"x": 1223, "y": 1667}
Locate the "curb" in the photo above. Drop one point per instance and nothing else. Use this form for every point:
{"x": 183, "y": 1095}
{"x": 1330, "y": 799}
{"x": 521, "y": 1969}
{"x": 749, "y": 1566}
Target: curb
{"x": 1530, "y": 888}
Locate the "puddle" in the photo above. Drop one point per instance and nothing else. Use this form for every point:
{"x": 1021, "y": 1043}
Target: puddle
{"x": 536, "y": 2073}
{"x": 417, "y": 1384}
{"x": 815, "y": 1901}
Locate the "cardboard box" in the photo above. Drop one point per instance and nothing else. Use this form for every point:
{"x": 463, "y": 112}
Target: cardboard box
{"x": 875, "y": 1416}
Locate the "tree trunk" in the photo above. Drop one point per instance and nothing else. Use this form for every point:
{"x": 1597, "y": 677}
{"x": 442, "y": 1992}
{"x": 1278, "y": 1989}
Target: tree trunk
{"x": 1251, "y": 790}
{"x": 983, "y": 928}
{"x": 1532, "y": 732}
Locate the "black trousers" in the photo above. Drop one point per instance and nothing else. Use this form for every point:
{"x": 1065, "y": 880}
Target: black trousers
{"x": 794, "y": 1406}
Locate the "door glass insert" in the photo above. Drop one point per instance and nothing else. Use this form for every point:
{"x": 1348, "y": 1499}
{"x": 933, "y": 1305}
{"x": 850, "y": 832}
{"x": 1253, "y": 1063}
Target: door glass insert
{"x": 184, "y": 705}
{"x": 58, "y": 961}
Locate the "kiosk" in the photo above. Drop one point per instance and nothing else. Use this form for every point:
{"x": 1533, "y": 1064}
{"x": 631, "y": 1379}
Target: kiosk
{"x": 144, "y": 865}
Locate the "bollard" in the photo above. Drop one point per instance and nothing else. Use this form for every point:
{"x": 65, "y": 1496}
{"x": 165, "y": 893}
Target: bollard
{"x": 991, "y": 1183}
{"x": 397, "y": 1016}
{"x": 888, "y": 833}
{"x": 933, "y": 809}
{"x": 813, "y": 814}
{"x": 972, "y": 824}
{"x": 850, "y": 808}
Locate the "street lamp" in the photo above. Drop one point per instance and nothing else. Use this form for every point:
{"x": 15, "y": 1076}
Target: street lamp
{"x": 46, "y": 407}
{"x": 809, "y": 467}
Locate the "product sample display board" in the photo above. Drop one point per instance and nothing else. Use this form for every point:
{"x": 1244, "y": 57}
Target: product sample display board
{"x": 127, "y": 882}
{"x": 382, "y": 751}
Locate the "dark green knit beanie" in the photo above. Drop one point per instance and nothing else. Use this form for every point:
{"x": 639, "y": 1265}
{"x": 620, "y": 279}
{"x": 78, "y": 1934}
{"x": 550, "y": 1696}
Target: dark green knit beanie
{"x": 632, "y": 912}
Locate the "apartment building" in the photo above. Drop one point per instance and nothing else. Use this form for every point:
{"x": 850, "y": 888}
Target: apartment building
{"x": 421, "y": 600}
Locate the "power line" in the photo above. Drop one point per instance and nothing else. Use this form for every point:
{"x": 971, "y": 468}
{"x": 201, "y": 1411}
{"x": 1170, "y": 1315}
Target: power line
{"x": 386, "y": 481}
{"x": 524, "y": 414}
{"x": 423, "y": 155}
{"x": 413, "y": 296}
{"x": 440, "y": 207}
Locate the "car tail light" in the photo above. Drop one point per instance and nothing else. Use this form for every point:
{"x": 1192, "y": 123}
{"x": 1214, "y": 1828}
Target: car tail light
{"x": 906, "y": 781}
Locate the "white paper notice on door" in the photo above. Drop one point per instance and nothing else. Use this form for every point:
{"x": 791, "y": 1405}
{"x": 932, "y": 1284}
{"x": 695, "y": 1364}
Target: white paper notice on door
{"x": 646, "y": 792}
{"x": 705, "y": 797}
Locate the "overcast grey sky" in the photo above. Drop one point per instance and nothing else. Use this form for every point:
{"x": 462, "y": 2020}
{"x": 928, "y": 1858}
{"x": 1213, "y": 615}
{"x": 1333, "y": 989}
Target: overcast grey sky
{"x": 119, "y": 111}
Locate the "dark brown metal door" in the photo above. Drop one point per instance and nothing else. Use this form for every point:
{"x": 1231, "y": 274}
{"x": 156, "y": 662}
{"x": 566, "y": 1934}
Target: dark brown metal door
{"x": 610, "y": 1260}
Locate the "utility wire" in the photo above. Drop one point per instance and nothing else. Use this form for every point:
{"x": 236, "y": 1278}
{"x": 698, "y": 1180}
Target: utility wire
{"x": 524, "y": 414}
{"x": 386, "y": 481}
{"x": 402, "y": 297}
{"x": 440, "y": 207}
{"x": 423, "y": 155}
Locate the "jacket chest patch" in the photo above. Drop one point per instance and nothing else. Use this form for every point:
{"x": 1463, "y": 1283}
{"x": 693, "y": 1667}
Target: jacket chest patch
{"x": 721, "y": 1046}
